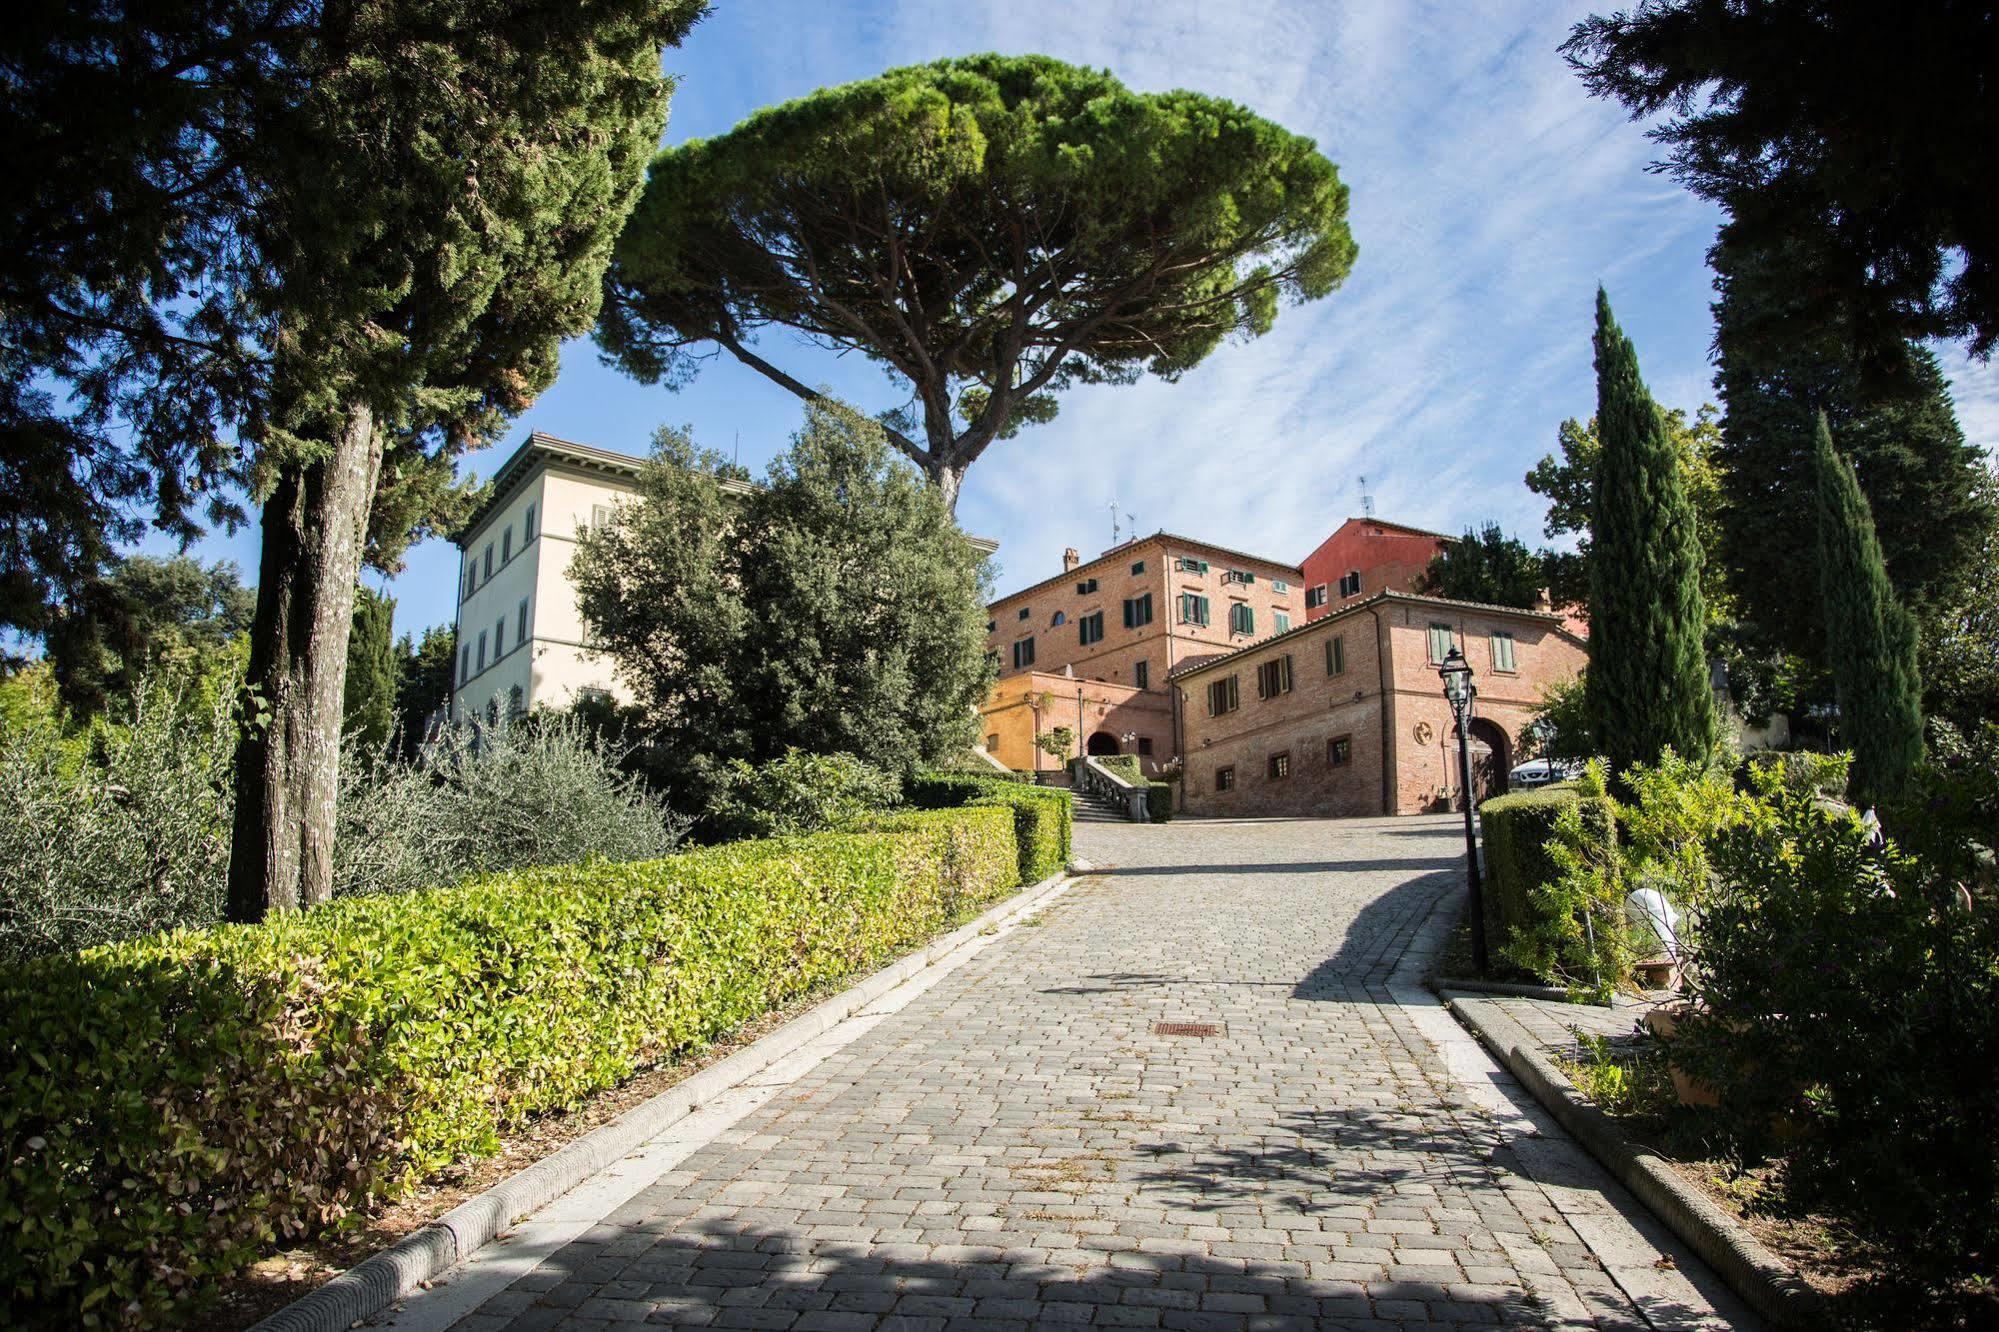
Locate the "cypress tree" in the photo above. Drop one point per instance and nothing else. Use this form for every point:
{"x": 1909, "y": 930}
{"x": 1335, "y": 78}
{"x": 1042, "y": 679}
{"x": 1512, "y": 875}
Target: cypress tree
{"x": 369, "y": 695}
{"x": 1647, "y": 686}
{"x": 1870, "y": 638}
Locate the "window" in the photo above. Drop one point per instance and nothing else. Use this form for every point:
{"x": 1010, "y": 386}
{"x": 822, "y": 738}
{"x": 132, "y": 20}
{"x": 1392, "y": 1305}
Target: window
{"x": 493, "y": 710}
{"x": 1025, "y": 611}
{"x": 1238, "y": 576}
{"x": 1502, "y": 651}
{"x": 1279, "y": 585}
{"x": 1145, "y": 745}
{"x": 1188, "y": 564}
{"x": 1242, "y": 620}
{"x": 993, "y": 658}
{"x": 592, "y": 694}
{"x": 1440, "y": 643}
{"x": 1087, "y": 586}
{"x": 1223, "y": 696}
{"x": 516, "y": 702}
{"x": 1193, "y": 609}
{"x": 599, "y": 515}
{"x": 1339, "y": 751}
{"x": 1138, "y": 567}
{"x": 1279, "y": 622}
{"x": 471, "y": 578}
{"x": 521, "y": 632}
{"x": 1059, "y": 620}
{"x": 499, "y": 638}
{"x": 507, "y": 544}
{"x": 464, "y": 663}
{"x": 527, "y": 526}
{"x": 1141, "y": 675}
{"x": 992, "y": 742}
{"x": 1336, "y": 655}
{"x": 1274, "y": 677}
{"x": 1137, "y": 611}
{"x": 992, "y": 626}
{"x": 1023, "y": 653}
{"x": 488, "y": 575}
{"x": 482, "y": 649}
{"x": 1315, "y": 597}
{"x": 1225, "y": 779}
{"x": 1090, "y": 629}
{"x": 1277, "y": 767}
{"x": 1350, "y": 583}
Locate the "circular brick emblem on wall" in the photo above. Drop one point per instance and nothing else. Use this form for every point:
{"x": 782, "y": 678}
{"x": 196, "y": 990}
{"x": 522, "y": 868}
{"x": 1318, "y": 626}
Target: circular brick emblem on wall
{"x": 1424, "y": 733}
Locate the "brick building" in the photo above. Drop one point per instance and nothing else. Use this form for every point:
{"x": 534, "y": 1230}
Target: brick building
{"x": 1345, "y": 714}
{"x": 1365, "y": 556}
{"x": 1116, "y": 627}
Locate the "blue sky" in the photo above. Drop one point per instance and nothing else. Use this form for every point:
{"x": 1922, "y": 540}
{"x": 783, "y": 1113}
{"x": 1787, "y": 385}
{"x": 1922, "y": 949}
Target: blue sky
{"x": 1489, "y": 197}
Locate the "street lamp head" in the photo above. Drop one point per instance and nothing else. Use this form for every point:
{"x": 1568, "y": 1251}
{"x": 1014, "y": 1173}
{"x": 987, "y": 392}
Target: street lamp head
{"x": 1456, "y": 672}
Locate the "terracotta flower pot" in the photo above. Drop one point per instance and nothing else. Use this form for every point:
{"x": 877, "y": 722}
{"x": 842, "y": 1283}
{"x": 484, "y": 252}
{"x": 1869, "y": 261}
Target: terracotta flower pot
{"x": 1663, "y": 1021}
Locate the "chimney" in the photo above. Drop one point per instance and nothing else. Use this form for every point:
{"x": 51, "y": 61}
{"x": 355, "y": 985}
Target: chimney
{"x": 1070, "y": 559}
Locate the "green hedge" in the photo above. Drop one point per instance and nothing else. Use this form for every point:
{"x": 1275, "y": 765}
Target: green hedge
{"x": 1044, "y": 816}
{"x": 172, "y": 1106}
{"x": 1515, "y": 830}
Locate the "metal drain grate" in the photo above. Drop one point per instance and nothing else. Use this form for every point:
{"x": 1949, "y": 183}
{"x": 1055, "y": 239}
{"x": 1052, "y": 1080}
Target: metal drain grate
{"x": 1186, "y": 1029}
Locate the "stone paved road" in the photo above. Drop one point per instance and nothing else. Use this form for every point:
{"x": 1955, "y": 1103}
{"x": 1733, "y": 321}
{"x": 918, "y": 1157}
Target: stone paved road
{"x": 1021, "y": 1146}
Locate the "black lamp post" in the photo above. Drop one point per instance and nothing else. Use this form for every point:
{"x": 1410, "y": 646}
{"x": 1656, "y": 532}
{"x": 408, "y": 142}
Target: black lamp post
{"x": 1460, "y": 692}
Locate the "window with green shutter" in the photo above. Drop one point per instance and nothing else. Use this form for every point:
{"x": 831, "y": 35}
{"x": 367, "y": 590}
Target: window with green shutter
{"x": 1138, "y": 611}
{"x": 1193, "y": 608}
{"x": 1023, "y": 653}
{"x": 1224, "y": 696}
{"x": 1274, "y": 677}
{"x": 1440, "y": 643}
{"x": 1279, "y": 622}
{"x": 1090, "y": 629}
{"x": 1188, "y": 564}
{"x": 1242, "y": 620}
{"x": 1336, "y": 655}
{"x": 1502, "y": 652}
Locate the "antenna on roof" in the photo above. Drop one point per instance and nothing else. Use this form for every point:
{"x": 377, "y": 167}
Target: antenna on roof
{"x": 1115, "y": 530}
{"x": 738, "y": 459}
{"x": 1366, "y": 500}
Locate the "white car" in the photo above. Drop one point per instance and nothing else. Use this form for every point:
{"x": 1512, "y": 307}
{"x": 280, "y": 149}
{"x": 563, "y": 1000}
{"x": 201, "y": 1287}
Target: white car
{"x": 1541, "y": 772}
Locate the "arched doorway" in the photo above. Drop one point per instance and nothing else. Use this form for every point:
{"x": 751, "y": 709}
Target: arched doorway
{"x": 1103, "y": 743}
{"x": 1491, "y": 759}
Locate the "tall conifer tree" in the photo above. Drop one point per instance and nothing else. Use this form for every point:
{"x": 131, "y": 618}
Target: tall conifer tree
{"x": 1647, "y": 686}
{"x": 1870, "y": 638}
{"x": 368, "y": 708}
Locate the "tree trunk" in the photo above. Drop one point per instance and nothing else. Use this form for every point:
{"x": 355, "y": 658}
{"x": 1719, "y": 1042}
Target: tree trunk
{"x": 288, "y": 766}
{"x": 948, "y": 479}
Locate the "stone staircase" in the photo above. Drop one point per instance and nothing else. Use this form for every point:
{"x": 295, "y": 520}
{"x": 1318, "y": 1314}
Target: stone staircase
{"x": 1091, "y": 808}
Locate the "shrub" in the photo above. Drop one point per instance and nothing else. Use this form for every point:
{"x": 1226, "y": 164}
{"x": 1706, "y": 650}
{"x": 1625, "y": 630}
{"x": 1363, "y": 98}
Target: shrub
{"x": 1044, "y": 817}
{"x": 1848, "y": 1011}
{"x": 170, "y": 1106}
{"x": 1159, "y": 801}
{"x": 544, "y": 790}
{"x": 117, "y": 830}
{"x": 1517, "y": 830}
{"x": 800, "y": 793}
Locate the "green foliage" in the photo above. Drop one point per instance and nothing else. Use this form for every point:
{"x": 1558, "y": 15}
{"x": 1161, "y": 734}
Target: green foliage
{"x": 1047, "y": 225}
{"x": 542, "y": 790}
{"x": 1849, "y": 1014}
{"x": 1870, "y": 637}
{"x": 1561, "y": 721}
{"x": 1931, "y": 491}
{"x": 425, "y": 670}
{"x": 800, "y": 793}
{"x": 836, "y": 609}
{"x": 117, "y": 828}
{"x": 1158, "y": 795}
{"x": 1647, "y": 688}
{"x": 1057, "y": 741}
{"x": 1569, "y": 486}
{"x": 1487, "y": 566}
{"x": 1044, "y": 817}
{"x": 368, "y": 712}
{"x": 1543, "y": 852}
{"x": 146, "y": 616}
{"x": 177, "y": 1104}
{"x": 1761, "y": 104}
{"x": 1633, "y": 1084}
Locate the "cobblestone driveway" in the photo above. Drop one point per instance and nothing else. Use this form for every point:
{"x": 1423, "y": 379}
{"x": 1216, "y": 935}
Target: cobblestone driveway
{"x": 1021, "y": 1146}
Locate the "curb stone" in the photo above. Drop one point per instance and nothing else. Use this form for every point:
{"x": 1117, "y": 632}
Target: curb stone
{"x": 1511, "y": 989}
{"x": 1761, "y": 1278}
{"x": 370, "y": 1286}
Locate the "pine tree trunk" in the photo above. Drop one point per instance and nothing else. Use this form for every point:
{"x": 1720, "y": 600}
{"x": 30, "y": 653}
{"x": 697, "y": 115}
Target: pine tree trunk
{"x": 288, "y": 768}
{"x": 949, "y": 480}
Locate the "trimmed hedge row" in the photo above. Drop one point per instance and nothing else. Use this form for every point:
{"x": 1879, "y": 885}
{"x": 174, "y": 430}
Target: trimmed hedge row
{"x": 171, "y": 1106}
{"x": 1044, "y": 816}
{"x": 1515, "y": 830}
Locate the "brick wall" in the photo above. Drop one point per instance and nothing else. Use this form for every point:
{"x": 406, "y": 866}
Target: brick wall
{"x": 1023, "y": 707}
{"x": 1389, "y": 558}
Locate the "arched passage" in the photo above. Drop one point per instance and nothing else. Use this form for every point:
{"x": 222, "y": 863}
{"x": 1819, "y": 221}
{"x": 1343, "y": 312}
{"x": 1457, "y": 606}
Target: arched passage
{"x": 1103, "y": 743}
{"x": 1491, "y": 758}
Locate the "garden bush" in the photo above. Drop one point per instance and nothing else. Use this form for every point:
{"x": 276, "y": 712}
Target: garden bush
{"x": 1044, "y": 816}
{"x": 1847, "y": 1007}
{"x": 540, "y": 790}
{"x": 119, "y": 828}
{"x": 800, "y": 793}
{"x": 171, "y": 1106}
{"x": 1517, "y": 832}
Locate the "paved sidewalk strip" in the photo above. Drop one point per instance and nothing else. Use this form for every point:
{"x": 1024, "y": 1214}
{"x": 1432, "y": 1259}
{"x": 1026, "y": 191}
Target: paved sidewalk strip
{"x": 1021, "y": 1145}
